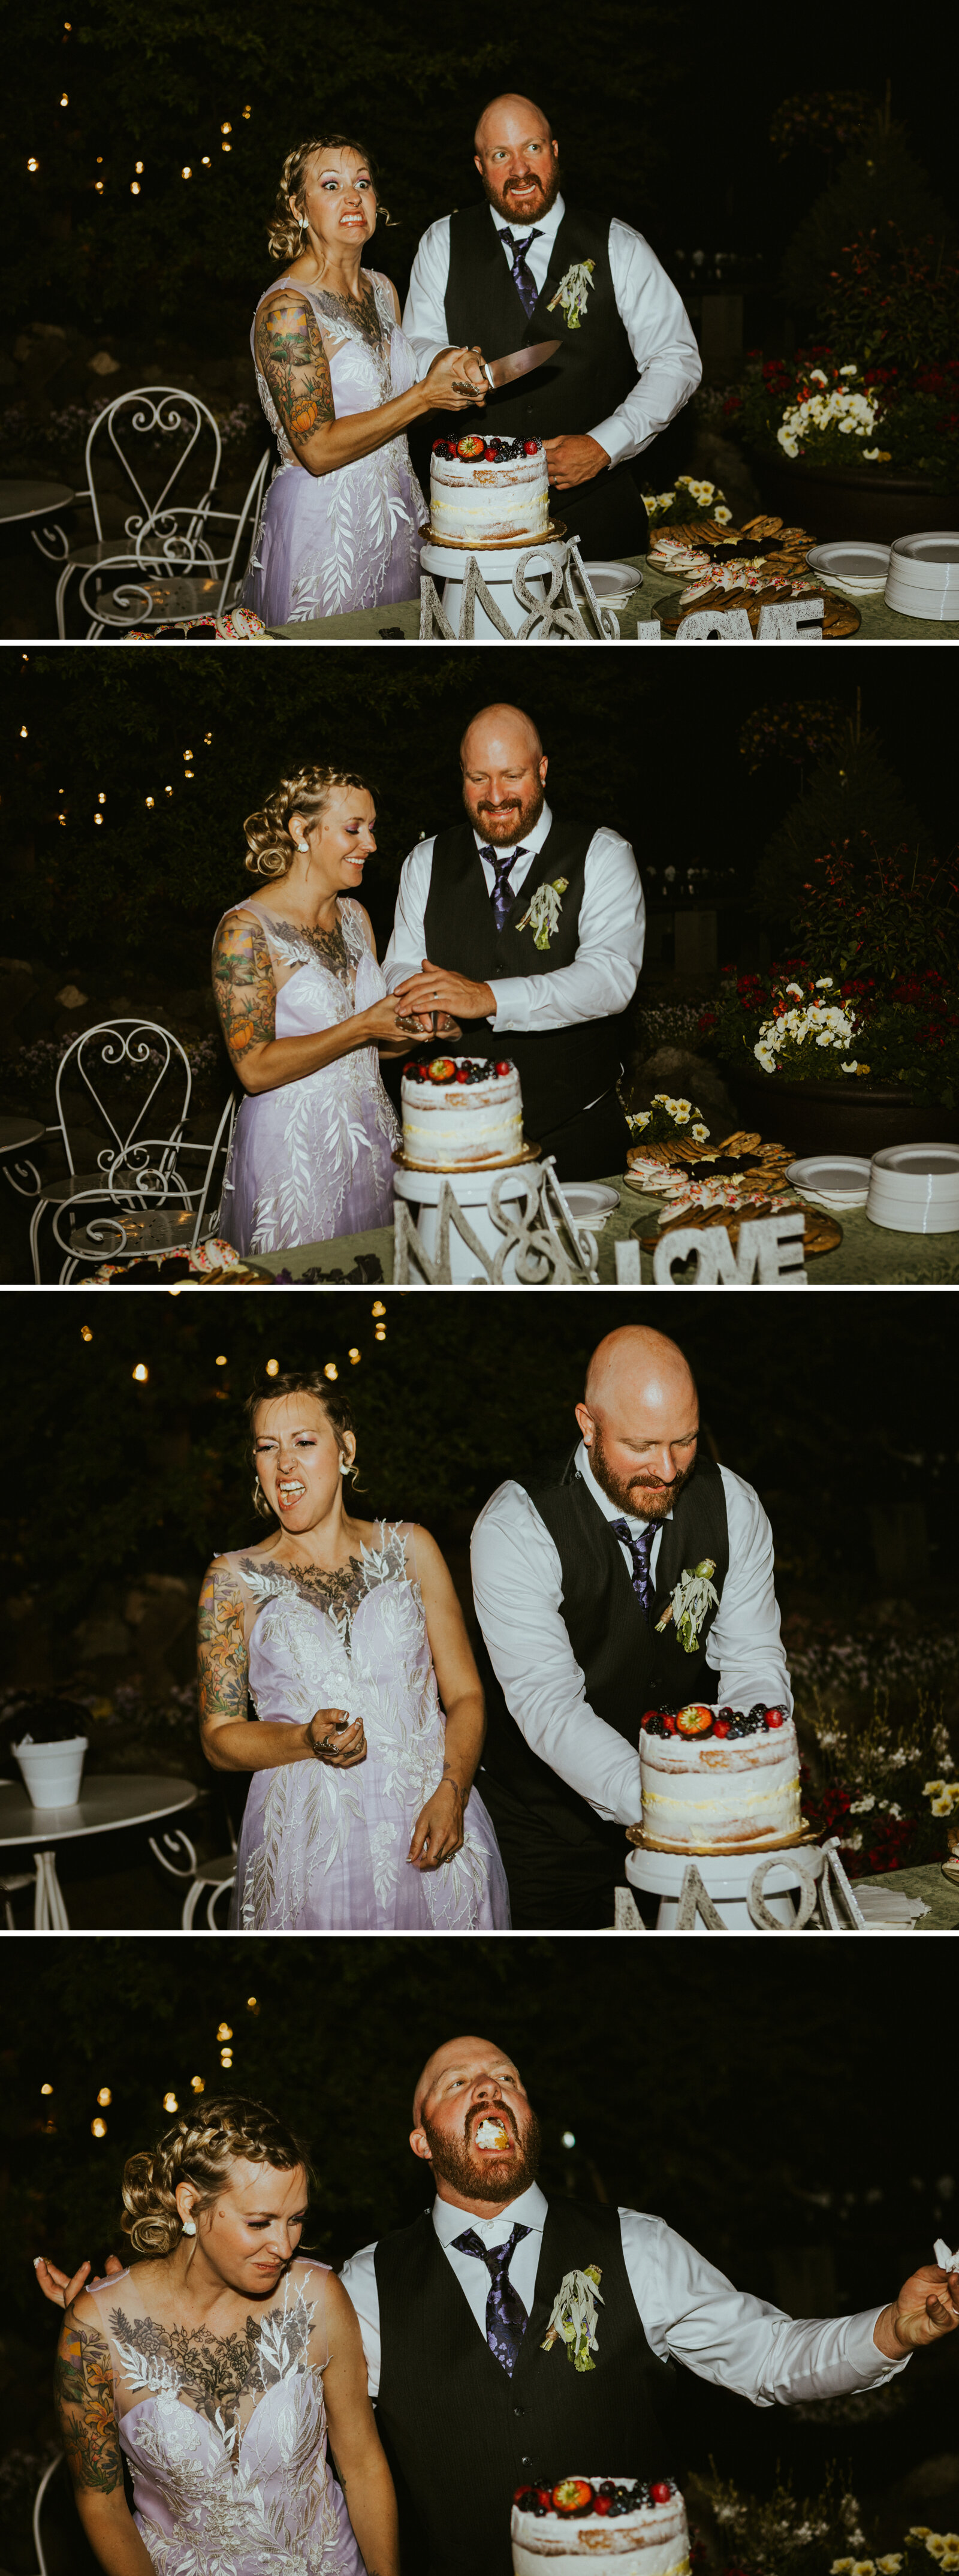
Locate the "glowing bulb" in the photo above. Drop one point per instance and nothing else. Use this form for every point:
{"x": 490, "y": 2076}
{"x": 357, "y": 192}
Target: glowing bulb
{"x": 149, "y": 800}
{"x": 248, "y": 111}
{"x": 104, "y": 2096}
{"x": 206, "y": 161}
{"x": 170, "y": 2102}
{"x": 23, "y": 733}
{"x": 134, "y": 187}
{"x": 226, "y": 147}
{"x": 98, "y": 2128}
{"x": 61, "y": 818}
{"x": 141, "y": 1372}
{"x": 46, "y": 2088}
{"x": 98, "y": 818}
{"x": 379, "y": 1332}
{"x": 227, "y": 128}
{"x": 64, "y": 101}
{"x": 353, "y": 1357}
{"x": 186, "y": 172}
{"x": 331, "y": 1369}
{"x": 221, "y": 1360}
{"x": 98, "y": 187}
{"x": 138, "y": 166}
{"x": 188, "y": 755}
{"x": 226, "y": 2056}
{"x": 33, "y": 165}
{"x": 224, "y": 2031}
{"x": 168, "y": 791}
{"x": 188, "y": 773}
{"x": 272, "y": 1368}
{"x": 85, "y": 1333}
{"x": 207, "y": 737}
{"x": 568, "y": 2138}
{"x": 101, "y": 799}
{"x": 251, "y": 2004}
{"x": 197, "y": 2084}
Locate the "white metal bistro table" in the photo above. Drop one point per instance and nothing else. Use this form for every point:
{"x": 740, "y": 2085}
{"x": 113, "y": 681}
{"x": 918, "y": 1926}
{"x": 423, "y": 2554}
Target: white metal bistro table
{"x": 32, "y": 500}
{"x": 16, "y": 1134}
{"x": 108, "y": 1801}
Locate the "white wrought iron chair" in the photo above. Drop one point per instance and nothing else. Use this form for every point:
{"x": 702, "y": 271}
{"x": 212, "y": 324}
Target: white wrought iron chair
{"x": 216, "y": 1876}
{"x": 163, "y": 533}
{"x": 167, "y": 595}
{"x": 149, "y": 1194}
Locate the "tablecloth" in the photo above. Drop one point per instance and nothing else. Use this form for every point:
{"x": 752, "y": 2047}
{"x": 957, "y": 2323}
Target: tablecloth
{"x": 879, "y": 623}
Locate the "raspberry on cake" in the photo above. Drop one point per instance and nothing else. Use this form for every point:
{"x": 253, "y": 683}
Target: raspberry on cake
{"x": 460, "y": 1112}
{"x": 488, "y": 491}
{"x": 719, "y": 1779}
{"x": 642, "y": 2527}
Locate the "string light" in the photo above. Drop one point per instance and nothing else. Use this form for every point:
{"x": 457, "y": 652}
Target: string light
{"x": 134, "y": 187}
{"x": 101, "y": 799}
{"x": 226, "y": 129}
{"x": 168, "y": 791}
{"x": 207, "y": 737}
{"x": 331, "y": 1369}
{"x": 188, "y": 755}
{"x": 85, "y": 1333}
{"x": 98, "y": 818}
{"x": 226, "y": 2056}
{"x": 354, "y": 1358}
{"x": 104, "y": 2096}
{"x": 46, "y": 2088}
{"x": 221, "y": 1360}
{"x": 98, "y": 187}
{"x": 206, "y": 161}
{"x": 272, "y": 1368}
{"x": 98, "y": 2128}
{"x": 197, "y": 2084}
{"x": 170, "y": 2102}
{"x": 138, "y": 166}
{"x": 33, "y": 165}
{"x": 226, "y": 147}
{"x": 248, "y": 111}
{"x": 64, "y": 101}
{"x": 224, "y": 2031}
{"x": 186, "y": 172}
{"x": 23, "y": 733}
{"x": 251, "y": 2004}
{"x": 379, "y": 1333}
{"x": 61, "y": 818}
{"x": 141, "y": 1372}
{"x": 149, "y": 800}
{"x": 568, "y": 2138}
{"x": 378, "y": 1307}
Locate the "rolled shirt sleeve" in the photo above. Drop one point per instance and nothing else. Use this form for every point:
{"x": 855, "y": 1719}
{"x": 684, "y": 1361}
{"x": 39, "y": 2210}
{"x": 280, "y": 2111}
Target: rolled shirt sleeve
{"x": 690, "y": 2311}
{"x": 744, "y": 1645}
{"x": 662, "y": 341}
{"x": 359, "y": 2281}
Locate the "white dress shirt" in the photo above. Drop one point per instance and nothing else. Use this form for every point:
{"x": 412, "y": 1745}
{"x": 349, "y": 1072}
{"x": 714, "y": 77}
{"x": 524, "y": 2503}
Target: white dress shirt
{"x": 612, "y": 928}
{"x": 653, "y": 316}
{"x": 518, "y": 1590}
{"x": 687, "y": 2308}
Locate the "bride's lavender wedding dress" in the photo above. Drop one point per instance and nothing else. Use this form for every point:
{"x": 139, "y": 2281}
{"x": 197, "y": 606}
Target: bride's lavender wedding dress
{"x": 242, "y": 2490}
{"x": 314, "y": 1159}
{"x": 323, "y": 1850}
{"x": 350, "y": 539}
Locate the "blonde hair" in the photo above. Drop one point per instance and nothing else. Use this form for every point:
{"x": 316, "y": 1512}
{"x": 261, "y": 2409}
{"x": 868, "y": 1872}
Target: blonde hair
{"x": 200, "y": 2149}
{"x": 284, "y": 231}
{"x": 270, "y": 849}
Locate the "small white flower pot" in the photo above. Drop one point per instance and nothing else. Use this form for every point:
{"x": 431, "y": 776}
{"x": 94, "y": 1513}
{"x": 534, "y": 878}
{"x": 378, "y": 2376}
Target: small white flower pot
{"x": 52, "y": 1772}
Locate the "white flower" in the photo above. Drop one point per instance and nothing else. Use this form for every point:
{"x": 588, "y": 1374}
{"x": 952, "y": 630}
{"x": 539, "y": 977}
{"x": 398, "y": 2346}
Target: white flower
{"x": 851, "y": 1842}
{"x": 854, "y": 371}
{"x": 723, "y": 515}
{"x": 795, "y": 988}
{"x": 890, "y": 2566}
{"x": 816, "y": 376}
{"x": 861, "y": 1806}
{"x": 824, "y": 983}
{"x": 699, "y": 1134}
{"x": 641, "y": 1117}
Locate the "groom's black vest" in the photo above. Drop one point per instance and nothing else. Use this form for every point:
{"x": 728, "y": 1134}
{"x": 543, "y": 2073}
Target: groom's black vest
{"x": 594, "y": 368}
{"x": 560, "y": 1070}
{"x": 627, "y": 1667}
{"x": 461, "y": 2436}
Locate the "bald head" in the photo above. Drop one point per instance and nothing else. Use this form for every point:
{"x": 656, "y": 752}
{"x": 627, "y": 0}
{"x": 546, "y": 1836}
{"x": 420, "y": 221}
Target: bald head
{"x": 517, "y": 157}
{"x": 504, "y": 773}
{"x": 459, "y": 2061}
{"x": 474, "y": 2124}
{"x": 640, "y": 1420}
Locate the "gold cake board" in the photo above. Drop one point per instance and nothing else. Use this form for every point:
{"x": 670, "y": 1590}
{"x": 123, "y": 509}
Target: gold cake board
{"x": 498, "y": 545}
{"x": 485, "y": 1163}
{"x": 642, "y": 1841}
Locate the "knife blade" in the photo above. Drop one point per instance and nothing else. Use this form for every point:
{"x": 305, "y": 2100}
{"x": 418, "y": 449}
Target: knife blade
{"x": 503, "y": 371}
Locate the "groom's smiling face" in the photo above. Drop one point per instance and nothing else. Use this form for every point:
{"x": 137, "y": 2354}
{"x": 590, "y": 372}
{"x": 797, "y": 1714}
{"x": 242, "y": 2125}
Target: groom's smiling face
{"x": 474, "y": 2123}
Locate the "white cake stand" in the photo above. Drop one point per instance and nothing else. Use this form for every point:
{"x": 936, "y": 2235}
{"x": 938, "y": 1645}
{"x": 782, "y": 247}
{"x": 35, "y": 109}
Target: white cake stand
{"x": 471, "y": 1191}
{"x": 497, "y": 564}
{"x": 726, "y": 1879}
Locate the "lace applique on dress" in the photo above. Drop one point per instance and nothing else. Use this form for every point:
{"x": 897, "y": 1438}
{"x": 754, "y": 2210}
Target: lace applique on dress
{"x": 338, "y": 1593}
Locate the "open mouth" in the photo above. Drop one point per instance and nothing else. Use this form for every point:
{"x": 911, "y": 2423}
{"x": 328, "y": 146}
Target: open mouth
{"x": 290, "y": 1493}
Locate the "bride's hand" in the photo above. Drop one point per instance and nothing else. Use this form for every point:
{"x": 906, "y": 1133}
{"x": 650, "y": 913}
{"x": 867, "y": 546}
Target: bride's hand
{"x": 334, "y": 1741}
{"x": 58, "y": 2286}
{"x": 438, "y": 1831}
{"x": 456, "y": 381}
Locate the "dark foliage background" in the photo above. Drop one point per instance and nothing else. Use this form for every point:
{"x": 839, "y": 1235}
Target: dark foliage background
{"x": 145, "y": 886}
{"x": 780, "y": 2117}
{"x": 827, "y": 1415}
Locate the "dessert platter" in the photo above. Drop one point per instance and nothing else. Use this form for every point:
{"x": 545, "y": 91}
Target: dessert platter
{"x": 461, "y": 1113}
{"x": 641, "y": 2528}
{"x": 490, "y": 493}
{"x": 709, "y": 1185}
{"x": 760, "y": 565}
{"x": 718, "y": 1780}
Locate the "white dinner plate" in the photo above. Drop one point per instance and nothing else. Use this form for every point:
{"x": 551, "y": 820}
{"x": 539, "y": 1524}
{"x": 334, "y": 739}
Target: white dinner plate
{"x": 853, "y": 565}
{"x": 589, "y": 1202}
{"x": 832, "y": 1181}
{"x": 614, "y": 582}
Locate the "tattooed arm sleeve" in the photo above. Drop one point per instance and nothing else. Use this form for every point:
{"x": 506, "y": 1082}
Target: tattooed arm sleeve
{"x": 221, "y": 1657}
{"x": 83, "y": 2396}
{"x": 293, "y": 362}
{"x": 243, "y": 988}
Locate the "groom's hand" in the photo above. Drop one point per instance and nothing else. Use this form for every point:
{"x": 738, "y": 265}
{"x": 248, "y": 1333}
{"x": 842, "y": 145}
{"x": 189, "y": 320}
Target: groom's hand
{"x": 927, "y": 2307}
{"x": 573, "y": 460}
{"x": 438, "y": 1831}
{"x": 434, "y": 989}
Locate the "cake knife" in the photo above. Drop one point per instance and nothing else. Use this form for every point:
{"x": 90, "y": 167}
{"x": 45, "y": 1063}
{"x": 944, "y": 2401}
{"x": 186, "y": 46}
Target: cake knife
{"x": 502, "y": 371}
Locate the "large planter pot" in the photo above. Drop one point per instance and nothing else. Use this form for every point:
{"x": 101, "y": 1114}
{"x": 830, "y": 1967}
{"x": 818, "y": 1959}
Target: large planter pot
{"x": 839, "y": 1117}
{"x": 840, "y": 504}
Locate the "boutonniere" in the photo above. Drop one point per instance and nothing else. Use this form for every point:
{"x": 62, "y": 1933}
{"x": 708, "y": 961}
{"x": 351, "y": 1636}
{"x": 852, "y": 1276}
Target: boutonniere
{"x": 544, "y": 911}
{"x": 572, "y": 292}
{"x": 573, "y": 2321}
{"x": 689, "y": 1602}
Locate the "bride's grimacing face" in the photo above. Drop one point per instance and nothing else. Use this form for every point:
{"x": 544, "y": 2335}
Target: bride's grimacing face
{"x": 251, "y": 2233}
{"x": 342, "y": 840}
{"x": 338, "y": 198}
{"x": 296, "y": 1454}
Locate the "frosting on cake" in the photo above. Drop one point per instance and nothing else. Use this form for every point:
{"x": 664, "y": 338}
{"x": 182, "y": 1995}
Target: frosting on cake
{"x": 715, "y": 1777}
{"x": 488, "y": 492}
{"x": 460, "y": 1111}
{"x": 642, "y": 2528}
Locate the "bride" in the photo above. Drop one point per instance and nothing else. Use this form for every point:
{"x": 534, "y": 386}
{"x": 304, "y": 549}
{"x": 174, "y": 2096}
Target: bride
{"x": 349, "y": 1639}
{"x": 304, "y": 1010}
{"x": 337, "y": 381}
{"x": 215, "y": 2368}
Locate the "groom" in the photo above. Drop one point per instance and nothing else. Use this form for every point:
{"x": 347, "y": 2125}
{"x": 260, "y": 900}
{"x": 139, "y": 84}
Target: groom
{"x": 490, "y": 275}
{"x": 529, "y": 931}
{"x": 570, "y": 1578}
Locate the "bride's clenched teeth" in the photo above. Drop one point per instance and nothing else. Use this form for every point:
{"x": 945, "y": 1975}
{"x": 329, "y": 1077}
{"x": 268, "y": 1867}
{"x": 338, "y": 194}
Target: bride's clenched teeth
{"x": 289, "y": 1493}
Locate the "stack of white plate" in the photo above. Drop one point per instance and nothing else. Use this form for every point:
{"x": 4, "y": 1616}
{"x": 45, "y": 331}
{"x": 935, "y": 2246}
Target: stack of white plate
{"x": 836, "y": 1182}
{"x": 923, "y": 576}
{"x": 914, "y": 1189}
{"x": 590, "y": 1203}
{"x": 613, "y": 584}
{"x": 855, "y": 567}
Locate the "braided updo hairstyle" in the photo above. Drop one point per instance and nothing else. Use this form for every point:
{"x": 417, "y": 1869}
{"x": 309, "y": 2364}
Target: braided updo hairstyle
{"x": 270, "y": 850}
{"x": 283, "y": 231}
{"x": 200, "y": 2148}
{"x": 337, "y": 1408}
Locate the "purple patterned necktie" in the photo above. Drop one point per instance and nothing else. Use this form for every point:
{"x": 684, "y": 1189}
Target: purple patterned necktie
{"x": 640, "y": 1550}
{"x": 523, "y": 279}
{"x": 502, "y": 897}
{"x": 506, "y": 2317}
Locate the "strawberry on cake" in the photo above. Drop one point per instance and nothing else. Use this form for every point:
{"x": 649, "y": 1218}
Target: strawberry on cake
{"x": 719, "y": 1779}
{"x": 488, "y": 491}
{"x": 559, "y": 2528}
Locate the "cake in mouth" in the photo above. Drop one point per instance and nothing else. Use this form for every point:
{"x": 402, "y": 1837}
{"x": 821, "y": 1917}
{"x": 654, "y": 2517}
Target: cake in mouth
{"x": 492, "y": 2136}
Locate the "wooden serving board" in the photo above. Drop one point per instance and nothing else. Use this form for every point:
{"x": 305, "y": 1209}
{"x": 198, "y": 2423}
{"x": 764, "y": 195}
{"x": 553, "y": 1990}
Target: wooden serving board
{"x": 820, "y": 1233}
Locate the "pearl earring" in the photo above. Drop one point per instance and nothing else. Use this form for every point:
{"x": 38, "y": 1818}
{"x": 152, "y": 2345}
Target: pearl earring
{"x": 303, "y": 845}
{"x": 344, "y": 1466}
{"x": 189, "y": 2227}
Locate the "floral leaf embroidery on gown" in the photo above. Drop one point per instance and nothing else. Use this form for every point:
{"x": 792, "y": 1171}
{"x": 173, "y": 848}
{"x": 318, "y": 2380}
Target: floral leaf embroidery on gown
{"x": 322, "y": 1848}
